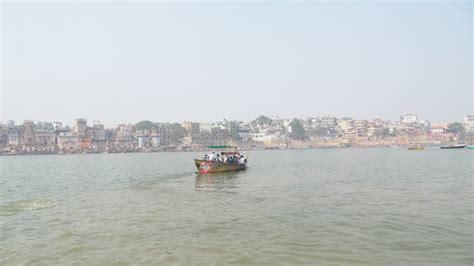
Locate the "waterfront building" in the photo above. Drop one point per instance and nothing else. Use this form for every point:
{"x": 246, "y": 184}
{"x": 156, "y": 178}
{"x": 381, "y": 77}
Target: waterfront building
{"x": 27, "y": 133}
{"x": 328, "y": 122}
{"x": 44, "y": 134}
{"x": 245, "y": 134}
{"x": 409, "y": 125}
{"x": 13, "y": 137}
{"x": 143, "y": 141}
{"x": 3, "y": 134}
{"x": 123, "y": 133}
{"x": 96, "y": 133}
{"x": 81, "y": 127}
{"x": 313, "y": 123}
{"x": 469, "y": 123}
{"x": 361, "y": 129}
{"x": 206, "y": 127}
{"x": 258, "y": 137}
{"x": 438, "y": 129}
{"x": 346, "y": 128}
{"x": 68, "y": 141}
{"x": 191, "y": 128}
{"x": 375, "y": 130}
{"x": 155, "y": 141}
{"x": 85, "y": 143}
{"x": 409, "y": 118}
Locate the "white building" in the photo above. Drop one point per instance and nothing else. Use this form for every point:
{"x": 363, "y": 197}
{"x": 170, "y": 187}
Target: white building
{"x": 206, "y": 127}
{"x": 438, "y": 130}
{"x": 245, "y": 134}
{"x": 409, "y": 118}
{"x": 469, "y": 123}
{"x": 13, "y": 137}
{"x": 68, "y": 141}
{"x": 328, "y": 122}
{"x": 124, "y": 133}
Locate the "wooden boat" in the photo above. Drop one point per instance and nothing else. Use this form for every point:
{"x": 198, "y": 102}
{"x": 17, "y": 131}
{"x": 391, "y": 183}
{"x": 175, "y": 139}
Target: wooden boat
{"x": 219, "y": 166}
{"x": 457, "y": 146}
{"x": 416, "y": 147}
{"x": 198, "y": 162}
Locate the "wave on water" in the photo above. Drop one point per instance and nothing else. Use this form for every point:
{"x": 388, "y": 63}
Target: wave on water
{"x": 12, "y": 208}
{"x": 156, "y": 181}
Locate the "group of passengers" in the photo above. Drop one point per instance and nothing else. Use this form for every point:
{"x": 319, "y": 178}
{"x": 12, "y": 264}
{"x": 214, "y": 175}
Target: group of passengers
{"x": 225, "y": 158}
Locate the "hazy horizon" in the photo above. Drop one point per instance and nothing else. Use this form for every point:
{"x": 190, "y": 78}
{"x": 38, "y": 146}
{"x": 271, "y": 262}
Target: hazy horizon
{"x": 174, "y": 62}
{"x": 90, "y": 121}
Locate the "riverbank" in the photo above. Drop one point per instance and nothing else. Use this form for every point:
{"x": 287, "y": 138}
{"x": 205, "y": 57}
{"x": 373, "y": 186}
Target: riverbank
{"x": 167, "y": 149}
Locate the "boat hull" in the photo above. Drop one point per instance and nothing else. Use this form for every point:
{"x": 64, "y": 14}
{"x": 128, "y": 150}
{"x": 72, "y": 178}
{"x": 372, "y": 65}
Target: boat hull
{"x": 217, "y": 167}
{"x": 416, "y": 147}
{"x": 453, "y": 147}
{"x": 198, "y": 162}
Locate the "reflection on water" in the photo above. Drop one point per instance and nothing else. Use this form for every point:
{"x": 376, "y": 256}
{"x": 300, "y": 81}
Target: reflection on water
{"x": 307, "y": 207}
{"x": 216, "y": 181}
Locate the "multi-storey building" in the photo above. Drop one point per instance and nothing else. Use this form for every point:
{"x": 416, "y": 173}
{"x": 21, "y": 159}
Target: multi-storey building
{"x": 191, "y": 128}
{"x": 374, "y": 130}
{"x": 27, "y": 136}
{"x": 361, "y": 128}
{"x": 469, "y": 123}
{"x": 3, "y": 134}
{"x": 123, "y": 133}
{"x": 328, "y": 122}
{"x": 13, "y": 138}
{"x": 409, "y": 118}
{"x": 438, "y": 129}
{"x": 81, "y": 127}
{"x": 68, "y": 141}
{"x": 346, "y": 128}
{"x": 96, "y": 133}
{"x": 44, "y": 134}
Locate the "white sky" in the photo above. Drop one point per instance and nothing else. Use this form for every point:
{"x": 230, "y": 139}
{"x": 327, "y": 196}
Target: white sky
{"x": 203, "y": 62}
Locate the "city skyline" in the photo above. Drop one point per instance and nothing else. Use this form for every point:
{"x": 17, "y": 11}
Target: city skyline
{"x": 263, "y": 132}
{"x": 95, "y": 120}
{"x": 204, "y": 62}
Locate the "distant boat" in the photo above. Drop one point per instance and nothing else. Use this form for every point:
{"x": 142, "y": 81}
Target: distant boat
{"x": 272, "y": 148}
{"x": 456, "y": 146}
{"x": 471, "y": 147}
{"x": 416, "y": 147}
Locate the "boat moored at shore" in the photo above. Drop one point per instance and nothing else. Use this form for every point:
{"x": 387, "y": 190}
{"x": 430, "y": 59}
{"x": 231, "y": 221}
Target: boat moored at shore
{"x": 416, "y": 147}
{"x": 455, "y": 146}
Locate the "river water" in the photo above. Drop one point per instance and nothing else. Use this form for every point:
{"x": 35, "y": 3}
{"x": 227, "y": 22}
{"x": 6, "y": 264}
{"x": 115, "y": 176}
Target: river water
{"x": 335, "y": 206}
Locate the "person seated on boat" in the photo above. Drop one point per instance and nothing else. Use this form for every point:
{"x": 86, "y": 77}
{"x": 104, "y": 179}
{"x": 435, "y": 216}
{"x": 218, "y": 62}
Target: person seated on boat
{"x": 205, "y": 157}
{"x": 242, "y": 159}
{"x": 235, "y": 160}
{"x": 217, "y": 158}
{"x": 211, "y": 157}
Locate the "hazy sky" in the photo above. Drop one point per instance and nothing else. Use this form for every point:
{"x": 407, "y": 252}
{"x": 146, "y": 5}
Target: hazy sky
{"x": 124, "y": 62}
